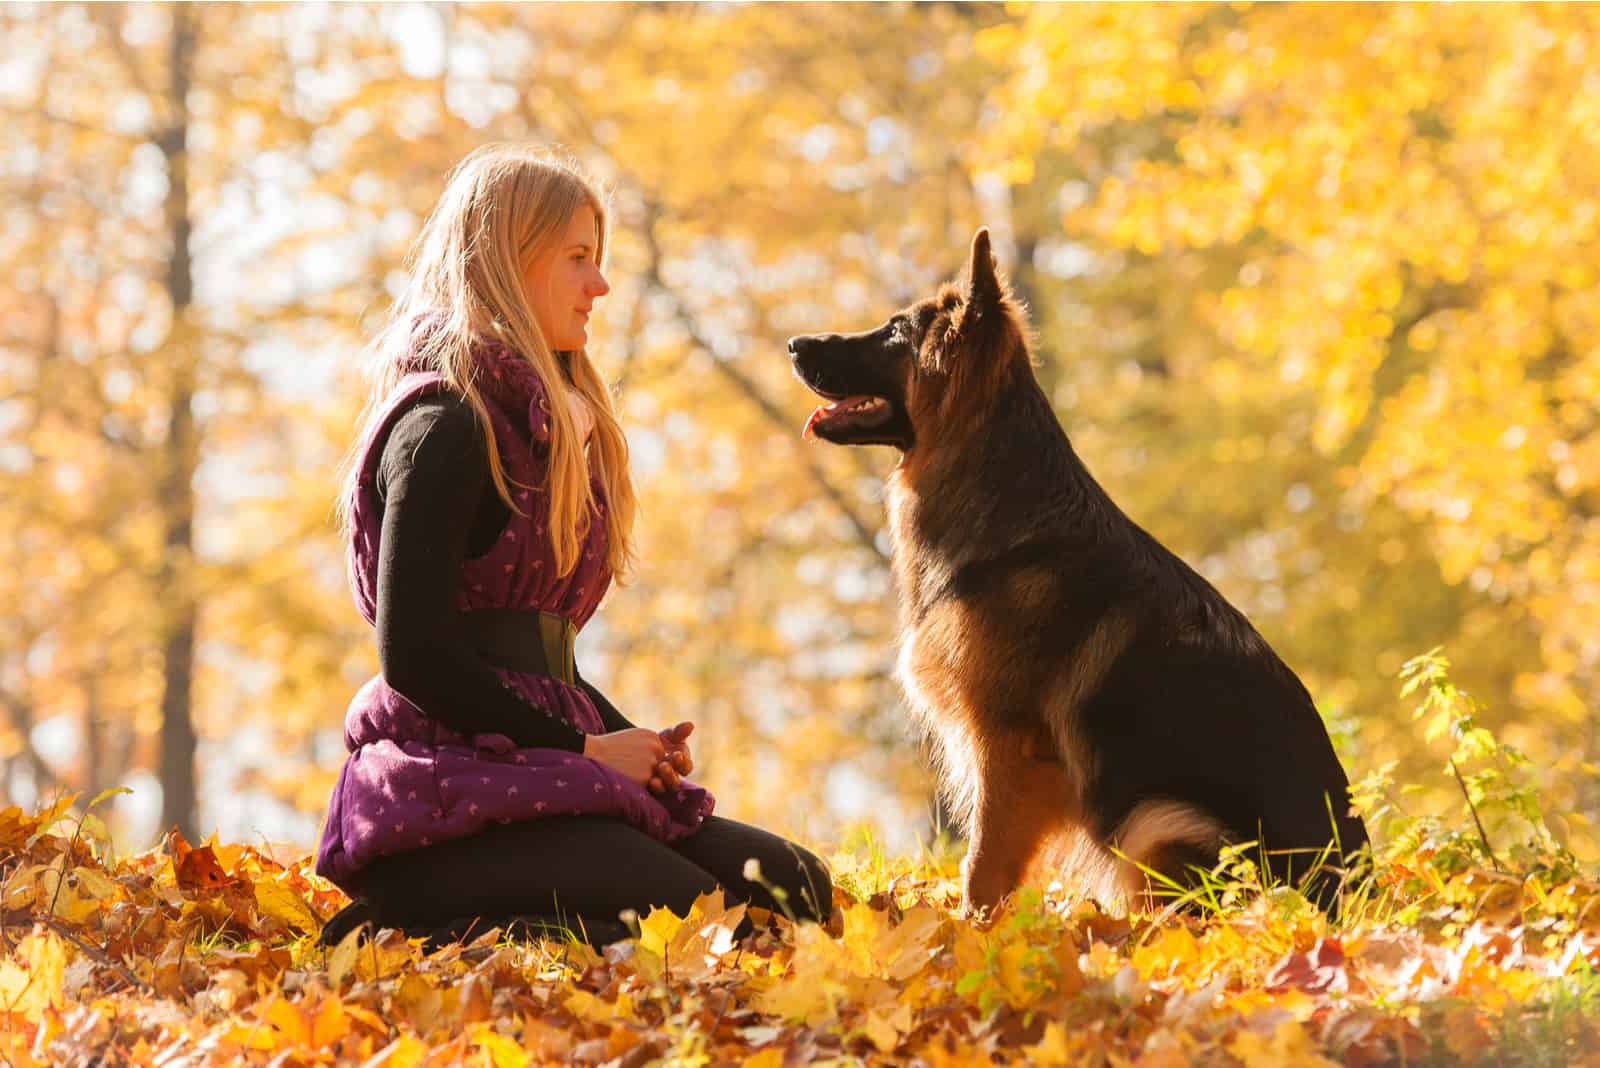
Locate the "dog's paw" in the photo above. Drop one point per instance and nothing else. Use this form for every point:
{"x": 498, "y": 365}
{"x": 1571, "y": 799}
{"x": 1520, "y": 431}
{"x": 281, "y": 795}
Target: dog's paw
{"x": 980, "y": 916}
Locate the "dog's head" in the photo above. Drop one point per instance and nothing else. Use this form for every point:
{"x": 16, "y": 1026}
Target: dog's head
{"x": 942, "y": 359}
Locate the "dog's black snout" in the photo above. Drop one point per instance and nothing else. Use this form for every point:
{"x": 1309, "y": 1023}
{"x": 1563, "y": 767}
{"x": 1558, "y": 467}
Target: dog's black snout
{"x": 802, "y": 344}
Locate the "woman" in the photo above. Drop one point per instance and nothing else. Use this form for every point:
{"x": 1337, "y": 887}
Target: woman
{"x": 488, "y": 504}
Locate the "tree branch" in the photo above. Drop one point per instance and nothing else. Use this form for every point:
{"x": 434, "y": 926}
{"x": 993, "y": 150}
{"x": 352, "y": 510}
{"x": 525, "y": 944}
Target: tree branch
{"x": 106, "y": 15}
{"x": 752, "y": 391}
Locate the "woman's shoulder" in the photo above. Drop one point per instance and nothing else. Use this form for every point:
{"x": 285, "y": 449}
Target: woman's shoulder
{"x": 435, "y": 430}
{"x": 443, "y": 411}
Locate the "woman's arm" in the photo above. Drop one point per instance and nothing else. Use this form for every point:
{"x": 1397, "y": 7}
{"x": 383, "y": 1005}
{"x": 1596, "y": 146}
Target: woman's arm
{"x": 433, "y": 475}
{"x": 613, "y": 719}
{"x": 675, "y": 760}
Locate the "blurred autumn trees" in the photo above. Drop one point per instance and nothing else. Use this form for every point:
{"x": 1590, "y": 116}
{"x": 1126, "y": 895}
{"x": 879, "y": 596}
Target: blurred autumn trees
{"x": 1314, "y": 290}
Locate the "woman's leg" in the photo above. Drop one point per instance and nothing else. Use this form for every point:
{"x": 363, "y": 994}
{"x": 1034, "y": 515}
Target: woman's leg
{"x": 722, "y": 847}
{"x": 584, "y": 869}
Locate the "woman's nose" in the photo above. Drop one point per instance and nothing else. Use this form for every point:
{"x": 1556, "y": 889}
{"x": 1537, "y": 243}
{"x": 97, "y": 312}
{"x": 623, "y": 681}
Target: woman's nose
{"x": 598, "y": 285}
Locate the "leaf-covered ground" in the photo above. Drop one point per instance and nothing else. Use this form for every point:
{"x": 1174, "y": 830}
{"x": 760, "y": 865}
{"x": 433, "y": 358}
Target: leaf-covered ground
{"x": 204, "y": 955}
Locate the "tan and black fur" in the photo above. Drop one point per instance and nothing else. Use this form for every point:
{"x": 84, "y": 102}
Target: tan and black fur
{"x": 1087, "y": 693}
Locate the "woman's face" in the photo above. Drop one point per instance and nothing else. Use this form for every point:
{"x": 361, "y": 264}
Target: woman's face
{"x": 562, "y": 284}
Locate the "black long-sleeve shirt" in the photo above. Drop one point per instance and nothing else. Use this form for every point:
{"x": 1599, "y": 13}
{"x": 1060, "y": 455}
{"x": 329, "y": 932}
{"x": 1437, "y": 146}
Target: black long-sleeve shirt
{"x": 440, "y": 508}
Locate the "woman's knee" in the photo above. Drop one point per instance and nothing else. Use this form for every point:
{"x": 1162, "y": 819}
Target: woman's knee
{"x": 799, "y": 880}
{"x": 762, "y": 868}
{"x": 815, "y": 885}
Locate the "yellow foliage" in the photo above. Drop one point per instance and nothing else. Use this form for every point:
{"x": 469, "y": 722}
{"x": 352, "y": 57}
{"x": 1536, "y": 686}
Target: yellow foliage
{"x": 31, "y": 976}
{"x": 896, "y": 983}
{"x": 1288, "y": 1047}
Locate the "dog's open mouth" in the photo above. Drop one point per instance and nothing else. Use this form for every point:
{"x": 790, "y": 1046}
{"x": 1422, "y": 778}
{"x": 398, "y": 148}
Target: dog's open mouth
{"x": 847, "y": 413}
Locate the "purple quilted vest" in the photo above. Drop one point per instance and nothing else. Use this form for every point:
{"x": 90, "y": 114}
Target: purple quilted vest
{"x": 408, "y": 781}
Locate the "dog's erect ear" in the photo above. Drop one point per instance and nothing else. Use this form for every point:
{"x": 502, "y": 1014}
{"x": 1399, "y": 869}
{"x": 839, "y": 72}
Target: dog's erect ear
{"x": 983, "y": 287}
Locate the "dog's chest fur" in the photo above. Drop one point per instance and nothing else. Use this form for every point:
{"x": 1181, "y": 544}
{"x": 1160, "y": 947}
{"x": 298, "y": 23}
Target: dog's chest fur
{"x": 954, "y": 634}
{"x": 951, "y": 663}
{"x": 970, "y": 665}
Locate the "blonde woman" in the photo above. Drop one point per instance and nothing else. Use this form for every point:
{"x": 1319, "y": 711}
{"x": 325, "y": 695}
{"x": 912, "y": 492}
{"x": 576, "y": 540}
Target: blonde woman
{"x": 488, "y": 505}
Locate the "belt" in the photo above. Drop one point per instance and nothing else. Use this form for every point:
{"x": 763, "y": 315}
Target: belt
{"x": 520, "y": 640}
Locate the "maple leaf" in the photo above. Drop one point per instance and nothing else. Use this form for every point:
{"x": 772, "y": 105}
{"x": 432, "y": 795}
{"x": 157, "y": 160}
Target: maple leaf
{"x": 420, "y": 1002}
{"x": 690, "y": 947}
{"x": 886, "y": 1029}
{"x": 1173, "y": 952}
{"x": 384, "y": 955}
{"x": 501, "y": 1051}
{"x": 1320, "y": 970}
{"x": 36, "y": 984}
{"x": 274, "y": 898}
{"x": 1289, "y": 1047}
{"x": 76, "y": 899}
{"x": 342, "y": 958}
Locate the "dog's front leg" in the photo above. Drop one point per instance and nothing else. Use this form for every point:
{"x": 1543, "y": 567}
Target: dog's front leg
{"x": 1021, "y": 801}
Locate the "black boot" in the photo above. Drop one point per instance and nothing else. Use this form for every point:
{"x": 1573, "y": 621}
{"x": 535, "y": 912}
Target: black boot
{"x": 344, "y": 921}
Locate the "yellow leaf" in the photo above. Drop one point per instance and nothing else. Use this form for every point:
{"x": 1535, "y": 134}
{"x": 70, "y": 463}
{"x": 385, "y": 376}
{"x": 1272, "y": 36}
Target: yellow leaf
{"x": 1014, "y": 976}
{"x": 880, "y": 1032}
{"x": 289, "y": 1020}
{"x": 251, "y": 1036}
{"x": 403, "y": 1052}
{"x": 14, "y": 1044}
{"x": 586, "y": 1006}
{"x": 691, "y": 947}
{"x": 968, "y": 949}
{"x": 383, "y": 956}
{"x": 1162, "y": 1057}
{"x": 50, "y": 817}
{"x": 656, "y": 930}
{"x": 343, "y": 958}
{"x": 420, "y": 1002}
{"x": 887, "y": 1023}
{"x": 501, "y": 1050}
{"x": 817, "y": 981}
{"x": 1289, "y": 1047}
{"x": 97, "y": 883}
{"x": 1171, "y": 954}
{"x": 1052, "y": 1048}
{"x": 283, "y": 904}
{"x": 771, "y": 1057}
{"x": 330, "y": 1024}
{"x": 37, "y": 984}
{"x": 22, "y": 888}
{"x": 901, "y": 951}
{"x": 71, "y": 903}
{"x": 367, "y": 1018}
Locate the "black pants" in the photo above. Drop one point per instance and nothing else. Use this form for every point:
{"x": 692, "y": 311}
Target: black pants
{"x": 582, "y": 872}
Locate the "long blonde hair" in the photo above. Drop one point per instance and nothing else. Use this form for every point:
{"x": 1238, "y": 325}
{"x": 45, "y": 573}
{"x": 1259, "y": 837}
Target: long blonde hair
{"x": 503, "y": 205}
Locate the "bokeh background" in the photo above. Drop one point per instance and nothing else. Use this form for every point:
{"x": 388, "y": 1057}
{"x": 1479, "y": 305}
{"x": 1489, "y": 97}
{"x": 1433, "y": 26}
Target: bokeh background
{"x": 1314, "y": 287}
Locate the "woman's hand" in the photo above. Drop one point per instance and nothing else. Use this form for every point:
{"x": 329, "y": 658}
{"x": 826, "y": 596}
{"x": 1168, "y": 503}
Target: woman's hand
{"x": 677, "y": 762}
{"x": 635, "y": 753}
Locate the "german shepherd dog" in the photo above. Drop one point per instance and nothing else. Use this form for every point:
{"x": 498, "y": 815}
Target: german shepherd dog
{"x": 1095, "y": 707}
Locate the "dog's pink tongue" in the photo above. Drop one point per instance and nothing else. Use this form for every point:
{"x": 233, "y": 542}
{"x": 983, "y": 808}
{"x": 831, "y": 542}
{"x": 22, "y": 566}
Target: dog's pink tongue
{"x": 810, "y": 432}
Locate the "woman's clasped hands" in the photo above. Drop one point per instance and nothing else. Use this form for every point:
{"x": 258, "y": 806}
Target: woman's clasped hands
{"x": 654, "y": 759}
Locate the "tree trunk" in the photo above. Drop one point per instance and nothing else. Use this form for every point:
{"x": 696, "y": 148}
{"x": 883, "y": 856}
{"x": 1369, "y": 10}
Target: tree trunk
{"x": 176, "y": 491}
